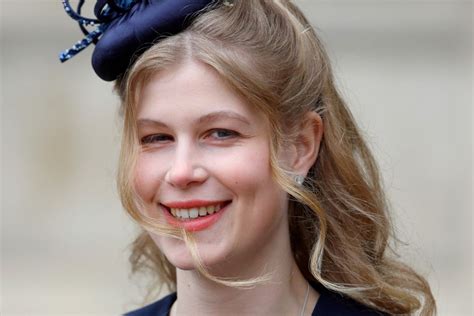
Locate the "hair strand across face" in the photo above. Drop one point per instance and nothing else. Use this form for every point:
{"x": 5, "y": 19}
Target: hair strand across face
{"x": 267, "y": 52}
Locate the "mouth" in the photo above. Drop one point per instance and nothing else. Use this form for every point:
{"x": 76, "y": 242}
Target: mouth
{"x": 194, "y": 215}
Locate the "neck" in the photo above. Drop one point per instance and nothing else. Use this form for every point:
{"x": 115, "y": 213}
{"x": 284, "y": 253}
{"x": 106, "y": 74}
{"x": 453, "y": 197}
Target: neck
{"x": 283, "y": 294}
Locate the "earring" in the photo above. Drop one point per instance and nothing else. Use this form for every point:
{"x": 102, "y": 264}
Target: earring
{"x": 229, "y": 3}
{"x": 299, "y": 179}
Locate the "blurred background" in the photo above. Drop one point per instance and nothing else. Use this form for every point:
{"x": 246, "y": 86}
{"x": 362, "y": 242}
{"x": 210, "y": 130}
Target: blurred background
{"x": 405, "y": 68}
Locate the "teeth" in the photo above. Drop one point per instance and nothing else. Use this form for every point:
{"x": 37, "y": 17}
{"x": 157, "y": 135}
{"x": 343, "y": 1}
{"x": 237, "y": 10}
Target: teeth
{"x": 211, "y": 209}
{"x": 195, "y": 212}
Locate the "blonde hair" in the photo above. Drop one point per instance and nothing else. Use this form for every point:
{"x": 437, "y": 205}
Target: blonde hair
{"x": 267, "y": 51}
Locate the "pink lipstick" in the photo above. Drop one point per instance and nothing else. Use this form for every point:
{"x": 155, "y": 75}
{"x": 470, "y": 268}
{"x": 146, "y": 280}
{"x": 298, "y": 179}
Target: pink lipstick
{"x": 193, "y": 215}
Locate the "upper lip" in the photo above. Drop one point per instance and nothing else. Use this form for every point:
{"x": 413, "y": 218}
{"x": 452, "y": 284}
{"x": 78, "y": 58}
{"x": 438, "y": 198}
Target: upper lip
{"x": 192, "y": 203}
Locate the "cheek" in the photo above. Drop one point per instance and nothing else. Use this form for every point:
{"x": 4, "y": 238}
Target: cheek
{"x": 146, "y": 178}
{"x": 247, "y": 173}
{"x": 255, "y": 185}
{"x": 252, "y": 169}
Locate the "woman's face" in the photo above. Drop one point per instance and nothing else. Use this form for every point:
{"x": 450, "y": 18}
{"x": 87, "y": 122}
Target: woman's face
{"x": 204, "y": 166}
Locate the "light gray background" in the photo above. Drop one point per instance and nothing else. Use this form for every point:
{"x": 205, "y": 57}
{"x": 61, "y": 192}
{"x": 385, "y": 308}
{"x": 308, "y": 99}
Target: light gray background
{"x": 405, "y": 68}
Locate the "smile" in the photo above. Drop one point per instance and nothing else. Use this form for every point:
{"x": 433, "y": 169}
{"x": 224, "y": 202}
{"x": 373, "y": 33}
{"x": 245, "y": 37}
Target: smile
{"x": 194, "y": 215}
{"x": 195, "y": 212}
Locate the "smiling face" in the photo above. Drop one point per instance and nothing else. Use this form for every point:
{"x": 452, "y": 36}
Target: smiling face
{"x": 204, "y": 165}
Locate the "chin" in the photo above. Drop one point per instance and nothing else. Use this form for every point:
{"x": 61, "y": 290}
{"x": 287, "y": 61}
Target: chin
{"x": 186, "y": 262}
{"x": 179, "y": 255}
{"x": 182, "y": 263}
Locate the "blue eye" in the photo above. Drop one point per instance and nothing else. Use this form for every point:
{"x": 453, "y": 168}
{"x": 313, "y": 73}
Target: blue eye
{"x": 156, "y": 138}
{"x": 223, "y": 134}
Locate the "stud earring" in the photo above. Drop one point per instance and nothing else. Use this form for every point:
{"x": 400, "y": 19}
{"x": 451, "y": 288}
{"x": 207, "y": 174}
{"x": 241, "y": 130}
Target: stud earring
{"x": 299, "y": 179}
{"x": 229, "y": 3}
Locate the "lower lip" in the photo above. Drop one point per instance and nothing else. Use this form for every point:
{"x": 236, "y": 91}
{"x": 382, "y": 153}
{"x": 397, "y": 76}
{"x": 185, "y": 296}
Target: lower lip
{"x": 194, "y": 224}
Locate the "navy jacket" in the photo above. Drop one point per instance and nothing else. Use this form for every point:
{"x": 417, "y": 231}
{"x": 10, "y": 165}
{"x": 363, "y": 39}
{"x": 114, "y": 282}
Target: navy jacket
{"x": 329, "y": 304}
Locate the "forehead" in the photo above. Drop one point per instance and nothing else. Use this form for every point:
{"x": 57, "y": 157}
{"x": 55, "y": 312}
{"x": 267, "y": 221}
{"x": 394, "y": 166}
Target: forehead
{"x": 191, "y": 88}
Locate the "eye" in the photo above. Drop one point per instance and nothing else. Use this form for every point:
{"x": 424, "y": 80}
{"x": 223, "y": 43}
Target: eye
{"x": 221, "y": 134}
{"x": 155, "y": 138}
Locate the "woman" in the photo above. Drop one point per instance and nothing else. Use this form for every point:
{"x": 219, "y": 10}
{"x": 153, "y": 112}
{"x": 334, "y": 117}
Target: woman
{"x": 256, "y": 193}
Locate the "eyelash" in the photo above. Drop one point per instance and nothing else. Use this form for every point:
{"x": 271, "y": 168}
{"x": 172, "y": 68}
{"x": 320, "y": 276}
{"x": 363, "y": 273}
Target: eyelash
{"x": 230, "y": 133}
{"x": 154, "y": 138}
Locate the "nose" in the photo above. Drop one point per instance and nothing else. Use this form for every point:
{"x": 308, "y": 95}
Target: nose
{"x": 185, "y": 169}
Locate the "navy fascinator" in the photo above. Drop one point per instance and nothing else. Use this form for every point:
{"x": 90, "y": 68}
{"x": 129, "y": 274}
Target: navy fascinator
{"x": 124, "y": 28}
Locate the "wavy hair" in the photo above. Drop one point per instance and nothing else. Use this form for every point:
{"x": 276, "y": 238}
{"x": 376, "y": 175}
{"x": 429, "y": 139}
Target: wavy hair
{"x": 339, "y": 224}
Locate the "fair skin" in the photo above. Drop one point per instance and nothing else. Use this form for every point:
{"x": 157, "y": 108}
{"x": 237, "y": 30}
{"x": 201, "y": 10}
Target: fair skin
{"x": 202, "y": 145}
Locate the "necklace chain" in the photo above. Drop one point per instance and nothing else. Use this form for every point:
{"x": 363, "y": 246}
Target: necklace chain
{"x": 305, "y": 300}
{"x": 303, "y": 308}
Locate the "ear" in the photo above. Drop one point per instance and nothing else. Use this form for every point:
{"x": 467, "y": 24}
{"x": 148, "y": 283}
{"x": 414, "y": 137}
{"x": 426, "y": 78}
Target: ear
{"x": 307, "y": 143}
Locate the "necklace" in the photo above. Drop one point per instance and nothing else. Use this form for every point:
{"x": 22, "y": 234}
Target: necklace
{"x": 303, "y": 308}
{"x": 305, "y": 301}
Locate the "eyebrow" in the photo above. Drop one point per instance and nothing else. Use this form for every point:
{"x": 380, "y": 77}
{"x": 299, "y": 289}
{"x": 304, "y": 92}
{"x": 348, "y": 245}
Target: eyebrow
{"x": 213, "y": 116}
{"x": 219, "y": 115}
{"x": 149, "y": 122}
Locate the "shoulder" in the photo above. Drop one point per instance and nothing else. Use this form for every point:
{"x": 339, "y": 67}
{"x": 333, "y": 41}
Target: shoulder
{"x": 158, "y": 308}
{"x": 334, "y": 304}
